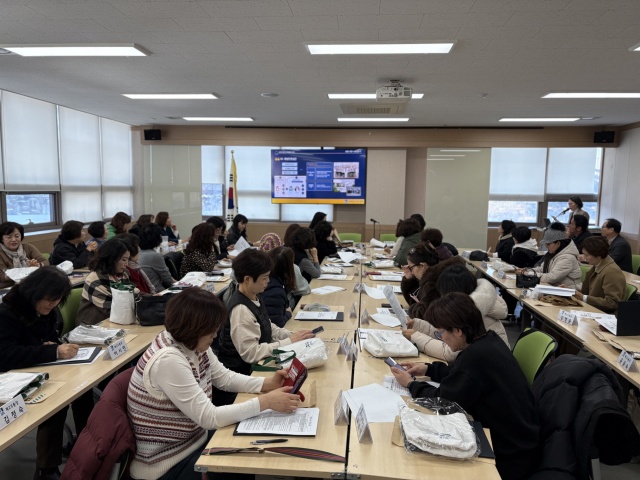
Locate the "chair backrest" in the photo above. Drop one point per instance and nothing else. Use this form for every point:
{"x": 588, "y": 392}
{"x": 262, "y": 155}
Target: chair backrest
{"x": 388, "y": 237}
{"x": 356, "y": 237}
{"x": 47, "y": 255}
{"x": 70, "y": 310}
{"x": 585, "y": 269}
{"x": 175, "y": 273}
{"x": 631, "y": 289}
{"x": 635, "y": 263}
{"x": 532, "y": 350}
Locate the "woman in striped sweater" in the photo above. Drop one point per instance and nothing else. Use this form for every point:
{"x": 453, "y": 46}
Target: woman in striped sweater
{"x": 169, "y": 397}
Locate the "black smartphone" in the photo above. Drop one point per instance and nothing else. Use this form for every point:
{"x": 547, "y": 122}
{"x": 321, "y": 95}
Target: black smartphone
{"x": 386, "y": 305}
{"x": 316, "y": 331}
{"x": 392, "y": 363}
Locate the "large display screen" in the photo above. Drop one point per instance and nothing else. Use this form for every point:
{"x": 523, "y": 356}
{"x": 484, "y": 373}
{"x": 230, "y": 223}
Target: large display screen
{"x": 319, "y": 176}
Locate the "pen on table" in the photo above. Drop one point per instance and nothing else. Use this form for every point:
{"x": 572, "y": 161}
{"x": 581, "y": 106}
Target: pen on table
{"x": 275, "y": 440}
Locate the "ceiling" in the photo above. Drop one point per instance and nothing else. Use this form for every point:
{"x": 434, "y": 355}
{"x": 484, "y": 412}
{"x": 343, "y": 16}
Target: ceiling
{"x": 508, "y": 54}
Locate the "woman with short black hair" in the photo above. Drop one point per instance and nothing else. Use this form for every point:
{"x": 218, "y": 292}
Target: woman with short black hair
{"x": 98, "y": 232}
{"x": 151, "y": 261}
{"x": 575, "y": 205}
{"x": 199, "y": 256}
{"x": 505, "y": 241}
{"x": 238, "y": 229}
{"x": 169, "y": 229}
{"x": 324, "y": 240}
{"x": 304, "y": 244}
{"x": 14, "y": 253}
{"x": 70, "y": 246}
{"x": 219, "y": 241}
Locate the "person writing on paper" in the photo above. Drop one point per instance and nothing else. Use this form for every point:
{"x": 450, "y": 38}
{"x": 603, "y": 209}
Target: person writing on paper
{"x": 109, "y": 265}
{"x": 303, "y": 243}
{"x": 604, "y": 284}
{"x": 324, "y": 240}
{"x": 560, "y": 264}
{"x": 485, "y": 380}
{"x": 249, "y": 335}
{"x": 14, "y": 253}
{"x": 136, "y": 274}
{"x": 322, "y": 217}
{"x": 200, "y": 256}
{"x": 28, "y": 337}
{"x": 169, "y": 397}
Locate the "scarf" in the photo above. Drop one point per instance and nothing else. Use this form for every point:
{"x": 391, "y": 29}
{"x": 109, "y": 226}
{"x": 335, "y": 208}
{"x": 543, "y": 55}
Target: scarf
{"x": 19, "y": 258}
{"x": 136, "y": 266}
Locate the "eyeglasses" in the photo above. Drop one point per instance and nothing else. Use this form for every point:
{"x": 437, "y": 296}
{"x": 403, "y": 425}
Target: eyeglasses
{"x": 438, "y": 334}
{"x": 411, "y": 267}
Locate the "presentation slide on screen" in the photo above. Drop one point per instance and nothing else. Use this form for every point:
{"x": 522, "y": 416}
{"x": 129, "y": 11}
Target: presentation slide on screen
{"x": 318, "y": 176}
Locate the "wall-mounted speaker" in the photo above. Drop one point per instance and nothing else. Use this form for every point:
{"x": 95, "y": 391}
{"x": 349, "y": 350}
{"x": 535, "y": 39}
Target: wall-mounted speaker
{"x": 154, "y": 134}
{"x": 606, "y": 136}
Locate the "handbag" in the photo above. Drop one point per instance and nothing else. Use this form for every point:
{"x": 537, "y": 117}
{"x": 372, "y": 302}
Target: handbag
{"x": 122, "y": 303}
{"x": 527, "y": 279}
{"x": 389, "y": 344}
{"x": 150, "y": 309}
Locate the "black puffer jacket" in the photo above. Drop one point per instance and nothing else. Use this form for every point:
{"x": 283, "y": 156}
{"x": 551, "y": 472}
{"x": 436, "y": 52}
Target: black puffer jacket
{"x": 276, "y": 298}
{"x": 579, "y": 403}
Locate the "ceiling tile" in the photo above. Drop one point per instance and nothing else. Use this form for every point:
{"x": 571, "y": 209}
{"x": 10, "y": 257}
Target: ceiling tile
{"x": 340, "y": 35}
{"x": 231, "y": 24}
{"x": 270, "y": 36}
{"x": 246, "y": 8}
{"x": 365, "y": 22}
{"x": 139, "y": 24}
{"x": 323, "y": 22}
{"x": 161, "y": 9}
{"x": 335, "y": 7}
{"x": 85, "y": 10}
{"x": 413, "y": 7}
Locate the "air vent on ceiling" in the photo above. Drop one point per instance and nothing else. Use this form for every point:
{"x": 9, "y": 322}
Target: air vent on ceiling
{"x": 371, "y": 108}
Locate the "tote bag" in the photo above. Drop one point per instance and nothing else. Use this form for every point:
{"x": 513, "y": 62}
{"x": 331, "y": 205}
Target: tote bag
{"x": 122, "y": 305}
{"x": 389, "y": 344}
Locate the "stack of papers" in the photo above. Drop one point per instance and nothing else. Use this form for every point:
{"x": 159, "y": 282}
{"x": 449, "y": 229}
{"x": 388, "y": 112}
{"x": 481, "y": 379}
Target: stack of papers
{"x": 18, "y": 274}
{"x": 374, "y": 292}
{"x": 386, "y": 320}
{"x": 329, "y": 276}
{"x": 549, "y": 290}
{"x": 382, "y": 263}
{"x": 348, "y": 257}
{"x": 303, "y": 422}
{"x": 380, "y": 404}
{"x": 610, "y": 322}
{"x": 326, "y": 290}
{"x": 396, "y": 288}
{"x": 386, "y": 278}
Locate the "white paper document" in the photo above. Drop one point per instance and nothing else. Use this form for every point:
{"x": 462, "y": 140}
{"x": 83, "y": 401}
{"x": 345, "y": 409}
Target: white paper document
{"x": 374, "y": 242}
{"x": 380, "y": 404}
{"x": 348, "y": 257}
{"x": 392, "y": 384}
{"x": 396, "y": 288}
{"x": 386, "y": 278}
{"x": 305, "y": 315}
{"x": 386, "y": 320}
{"x": 302, "y": 422}
{"x": 20, "y": 273}
{"x": 326, "y": 290}
{"x": 395, "y": 306}
{"x": 383, "y": 264}
{"x": 549, "y": 290}
{"x": 85, "y": 355}
{"x": 331, "y": 276}
{"x": 240, "y": 246}
{"x": 374, "y": 292}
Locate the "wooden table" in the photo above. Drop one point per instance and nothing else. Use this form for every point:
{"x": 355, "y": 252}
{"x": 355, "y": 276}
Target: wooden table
{"x": 609, "y": 355}
{"x": 77, "y": 380}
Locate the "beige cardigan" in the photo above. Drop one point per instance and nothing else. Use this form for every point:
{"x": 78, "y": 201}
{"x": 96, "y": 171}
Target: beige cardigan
{"x": 6, "y": 263}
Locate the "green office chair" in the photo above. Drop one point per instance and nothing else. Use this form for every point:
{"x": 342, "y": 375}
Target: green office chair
{"x": 532, "y": 350}
{"x": 355, "y": 237}
{"x": 388, "y": 237}
{"x": 70, "y": 310}
{"x": 47, "y": 255}
{"x": 635, "y": 262}
{"x": 585, "y": 269}
{"x": 631, "y": 289}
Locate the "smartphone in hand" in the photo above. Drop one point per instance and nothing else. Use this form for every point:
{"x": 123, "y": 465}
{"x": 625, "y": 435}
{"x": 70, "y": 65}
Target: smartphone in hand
{"x": 316, "y": 331}
{"x": 392, "y": 363}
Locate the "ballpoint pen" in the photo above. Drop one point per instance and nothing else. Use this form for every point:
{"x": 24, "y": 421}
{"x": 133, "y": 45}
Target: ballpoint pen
{"x": 275, "y": 440}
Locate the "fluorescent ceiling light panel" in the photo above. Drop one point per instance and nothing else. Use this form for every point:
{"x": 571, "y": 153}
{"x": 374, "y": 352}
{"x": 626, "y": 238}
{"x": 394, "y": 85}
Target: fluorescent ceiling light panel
{"x": 372, "y": 119}
{"x": 459, "y": 150}
{"x": 439, "y": 159}
{"x": 593, "y": 95}
{"x": 78, "y": 50}
{"x": 170, "y": 96}
{"x": 380, "y": 49}
{"x": 445, "y": 155}
{"x": 558, "y": 119}
{"x": 218, "y": 119}
{"x": 364, "y": 96}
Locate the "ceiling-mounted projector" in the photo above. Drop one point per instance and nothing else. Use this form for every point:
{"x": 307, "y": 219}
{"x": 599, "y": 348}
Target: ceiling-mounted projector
{"x": 393, "y": 93}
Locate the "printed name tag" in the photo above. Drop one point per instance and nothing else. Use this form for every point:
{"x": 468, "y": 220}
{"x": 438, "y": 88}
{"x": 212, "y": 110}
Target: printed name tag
{"x": 362, "y": 426}
{"x": 466, "y": 254}
{"x": 626, "y": 361}
{"x": 567, "y": 317}
{"x": 352, "y": 311}
{"x": 364, "y": 319}
{"x": 340, "y": 410}
{"x": 483, "y": 264}
{"x": 502, "y": 274}
{"x": 117, "y": 349}
{"x": 352, "y": 355}
{"x": 11, "y": 411}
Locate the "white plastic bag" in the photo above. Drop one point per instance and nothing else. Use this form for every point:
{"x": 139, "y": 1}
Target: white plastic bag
{"x": 122, "y": 307}
{"x": 389, "y": 344}
{"x": 66, "y": 267}
{"x": 195, "y": 279}
{"x": 311, "y": 352}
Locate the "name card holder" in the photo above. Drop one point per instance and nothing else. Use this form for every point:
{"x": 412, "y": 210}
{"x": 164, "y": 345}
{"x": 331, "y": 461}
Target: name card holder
{"x": 626, "y": 361}
{"x": 364, "y": 319}
{"x": 466, "y": 254}
{"x": 11, "y": 411}
{"x": 116, "y": 349}
{"x": 502, "y": 274}
{"x": 352, "y": 311}
{"x": 352, "y": 355}
{"x": 342, "y": 345}
{"x": 362, "y": 426}
{"x": 340, "y": 408}
{"x": 567, "y": 317}
{"x": 356, "y": 288}
{"x": 483, "y": 264}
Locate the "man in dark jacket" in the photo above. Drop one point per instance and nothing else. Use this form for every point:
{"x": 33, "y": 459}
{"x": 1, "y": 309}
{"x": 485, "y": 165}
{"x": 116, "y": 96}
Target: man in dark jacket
{"x": 619, "y": 248}
{"x": 579, "y": 230}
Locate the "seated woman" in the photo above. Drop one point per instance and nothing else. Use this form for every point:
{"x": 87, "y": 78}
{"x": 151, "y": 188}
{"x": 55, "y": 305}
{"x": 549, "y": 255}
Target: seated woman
{"x": 219, "y": 241}
{"x": 118, "y": 224}
{"x": 322, "y": 217}
{"x": 411, "y": 231}
{"x": 199, "y": 256}
{"x": 560, "y": 264}
{"x": 302, "y": 285}
{"x": 238, "y": 229}
{"x": 525, "y": 248}
{"x": 485, "y": 380}
{"x": 278, "y": 296}
{"x": 70, "y": 246}
{"x": 420, "y": 219}
{"x": 109, "y": 265}
{"x": 169, "y": 396}
{"x": 163, "y": 220}
{"x": 324, "y": 240}
{"x": 143, "y": 221}
{"x": 28, "y": 337}
{"x": 249, "y": 336}
{"x": 493, "y": 308}
{"x": 306, "y": 253}
{"x": 434, "y": 237}
{"x": 393, "y": 251}
{"x": 152, "y": 262}
{"x": 98, "y": 232}
{"x": 14, "y": 253}
{"x": 505, "y": 241}
{"x": 136, "y": 274}
{"x": 605, "y": 284}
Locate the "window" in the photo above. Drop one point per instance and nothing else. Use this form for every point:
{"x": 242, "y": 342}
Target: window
{"x": 519, "y": 212}
{"x": 212, "y": 198}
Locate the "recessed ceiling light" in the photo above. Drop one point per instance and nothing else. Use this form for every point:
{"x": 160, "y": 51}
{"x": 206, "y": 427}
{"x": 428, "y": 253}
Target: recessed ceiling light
{"x": 558, "y": 119}
{"x": 218, "y": 119}
{"x": 459, "y": 150}
{"x": 78, "y": 50}
{"x": 372, "y": 119}
{"x": 364, "y": 96}
{"x": 593, "y": 95}
{"x": 269, "y": 95}
{"x": 380, "y": 48}
{"x": 635, "y": 48}
{"x": 170, "y": 96}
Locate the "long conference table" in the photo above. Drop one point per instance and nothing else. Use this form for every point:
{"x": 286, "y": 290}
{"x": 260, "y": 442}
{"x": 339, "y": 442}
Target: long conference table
{"x": 379, "y": 459}
{"x": 586, "y": 334}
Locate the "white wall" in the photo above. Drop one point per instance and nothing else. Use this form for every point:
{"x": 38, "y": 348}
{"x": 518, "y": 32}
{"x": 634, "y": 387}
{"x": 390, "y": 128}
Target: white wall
{"x": 385, "y": 185}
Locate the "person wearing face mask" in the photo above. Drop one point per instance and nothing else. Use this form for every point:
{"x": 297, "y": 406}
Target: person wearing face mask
{"x": 485, "y": 380}
{"x": 14, "y": 253}
{"x": 170, "y": 392}
{"x": 109, "y": 265}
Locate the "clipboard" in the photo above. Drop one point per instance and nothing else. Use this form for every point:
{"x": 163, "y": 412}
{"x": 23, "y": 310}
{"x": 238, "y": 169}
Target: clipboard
{"x": 485, "y": 447}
